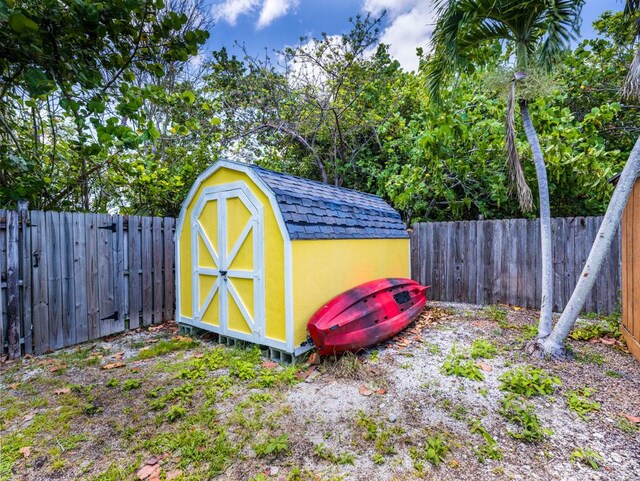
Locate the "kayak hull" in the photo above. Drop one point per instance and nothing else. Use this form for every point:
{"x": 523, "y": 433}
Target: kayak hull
{"x": 366, "y": 315}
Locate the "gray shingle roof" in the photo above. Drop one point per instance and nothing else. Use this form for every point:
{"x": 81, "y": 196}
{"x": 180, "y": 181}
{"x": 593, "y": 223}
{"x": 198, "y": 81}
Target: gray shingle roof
{"x": 312, "y": 210}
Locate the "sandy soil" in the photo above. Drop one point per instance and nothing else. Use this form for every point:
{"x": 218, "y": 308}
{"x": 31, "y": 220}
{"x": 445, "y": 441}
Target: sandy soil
{"x": 365, "y": 417}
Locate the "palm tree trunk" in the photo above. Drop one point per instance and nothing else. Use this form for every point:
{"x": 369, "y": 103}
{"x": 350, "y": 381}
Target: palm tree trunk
{"x": 544, "y": 326}
{"x": 554, "y": 344}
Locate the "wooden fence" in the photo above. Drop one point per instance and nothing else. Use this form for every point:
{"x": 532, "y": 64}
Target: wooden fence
{"x": 498, "y": 261}
{"x": 68, "y": 277}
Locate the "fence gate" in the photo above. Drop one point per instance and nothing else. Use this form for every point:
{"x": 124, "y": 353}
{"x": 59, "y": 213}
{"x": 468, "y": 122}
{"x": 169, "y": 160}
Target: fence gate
{"x": 72, "y": 277}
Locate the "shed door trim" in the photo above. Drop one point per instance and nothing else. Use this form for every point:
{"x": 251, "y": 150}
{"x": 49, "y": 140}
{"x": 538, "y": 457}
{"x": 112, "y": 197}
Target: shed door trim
{"x": 254, "y": 227}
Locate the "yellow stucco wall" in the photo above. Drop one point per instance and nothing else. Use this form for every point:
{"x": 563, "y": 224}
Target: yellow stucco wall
{"x": 322, "y": 269}
{"x": 273, "y": 249}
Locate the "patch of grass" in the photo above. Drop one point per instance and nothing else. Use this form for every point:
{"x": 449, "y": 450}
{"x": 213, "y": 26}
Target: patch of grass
{"x": 345, "y": 366}
{"x": 197, "y": 447}
{"x": 282, "y": 376}
{"x": 586, "y": 456}
{"x": 459, "y": 412}
{"x": 174, "y": 413}
{"x": 164, "y": 347}
{"x": 614, "y": 374}
{"x": 273, "y": 446}
{"x": 589, "y": 357}
{"x": 578, "y": 402}
{"x": 52, "y": 424}
{"x": 457, "y": 364}
{"x": 115, "y": 472}
{"x": 529, "y": 381}
{"x": 322, "y": 452}
{"x": 483, "y": 349}
{"x": 517, "y": 411}
{"x": 377, "y": 458}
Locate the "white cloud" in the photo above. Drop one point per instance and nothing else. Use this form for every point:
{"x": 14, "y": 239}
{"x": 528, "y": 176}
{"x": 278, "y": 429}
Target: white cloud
{"x": 229, "y": 10}
{"x": 409, "y": 25}
{"x": 273, "y": 9}
{"x": 391, "y": 6}
{"x": 270, "y": 10}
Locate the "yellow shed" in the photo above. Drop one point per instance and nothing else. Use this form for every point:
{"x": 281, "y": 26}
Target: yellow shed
{"x": 258, "y": 252}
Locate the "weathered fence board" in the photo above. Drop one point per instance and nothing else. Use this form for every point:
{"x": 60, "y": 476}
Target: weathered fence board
{"x": 13, "y": 314}
{"x": 69, "y": 277}
{"x": 498, "y": 261}
{"x": 135, "y": 272}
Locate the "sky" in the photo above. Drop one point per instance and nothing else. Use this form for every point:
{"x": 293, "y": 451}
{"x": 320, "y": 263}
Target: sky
{"x": 274, "y": 24}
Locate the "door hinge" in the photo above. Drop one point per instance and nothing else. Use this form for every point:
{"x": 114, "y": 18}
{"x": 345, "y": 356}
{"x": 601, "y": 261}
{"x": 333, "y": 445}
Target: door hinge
{"x": 112, "y": 317}
{"x": 113, "y": 227}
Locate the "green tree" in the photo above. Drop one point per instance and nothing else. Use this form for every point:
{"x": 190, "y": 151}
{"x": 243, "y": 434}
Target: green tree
{"x": 535, "y": 32}
{"x": 554, "y": 344}
{"x": 315, "y": 113}
{"x": 69, "y": 100}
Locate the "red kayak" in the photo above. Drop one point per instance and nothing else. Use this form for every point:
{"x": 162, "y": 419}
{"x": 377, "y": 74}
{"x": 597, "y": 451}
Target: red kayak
{"x": 366, "y": 315}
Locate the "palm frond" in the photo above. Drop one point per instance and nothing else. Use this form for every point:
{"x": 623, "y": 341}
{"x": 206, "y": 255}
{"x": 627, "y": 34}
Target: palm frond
{"x": 562, "y": 20}
{"x": 517, "y": 181}
{"x": 631, "y": 87}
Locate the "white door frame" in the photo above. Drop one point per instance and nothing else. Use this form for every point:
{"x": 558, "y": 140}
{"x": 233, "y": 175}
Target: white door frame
{"x": 224, "y": 284}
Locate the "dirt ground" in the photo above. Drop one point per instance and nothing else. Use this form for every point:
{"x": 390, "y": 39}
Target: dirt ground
{"x": 456, "y": 396}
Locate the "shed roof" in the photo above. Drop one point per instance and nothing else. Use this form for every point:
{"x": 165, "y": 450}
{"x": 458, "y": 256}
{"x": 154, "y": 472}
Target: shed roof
{"x": 312, "y": 210}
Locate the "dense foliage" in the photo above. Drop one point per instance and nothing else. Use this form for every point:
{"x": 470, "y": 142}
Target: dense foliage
{"x": 101, "y": 108}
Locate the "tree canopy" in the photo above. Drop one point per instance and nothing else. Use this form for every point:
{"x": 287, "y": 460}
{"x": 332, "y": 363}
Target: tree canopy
{"x": 103, "y": 108}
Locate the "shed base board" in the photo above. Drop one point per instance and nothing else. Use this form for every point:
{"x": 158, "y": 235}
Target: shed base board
{"x": 272, "y": 353}
{"x": 188, "y": 325}
{"x": 632, "y": 343}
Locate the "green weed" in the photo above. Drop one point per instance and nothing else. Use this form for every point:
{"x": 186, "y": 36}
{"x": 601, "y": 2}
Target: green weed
{"x": 627, "y": 426}
{"x": 243, "y": 370}
{"x": 490, "y": 449}
{"x": 496, "y": 313}
{"x": 113, "y": 382}
{"x": 274, "y": 446}
{"x": 586, "y": 456}
{"x": 529, "y": 381}
{"x": 578, "y": 401}
{"x": 322, "y": 452}
{"x": 131, "y": 384}
{"x": 433, "y": 451}
{"x": 521, "y": 413}
{"x": 174, "y": 413}
{"x": 380, "y": 436}
{"x": 457, "y": 364}
{"x": 597, "y": 327}
{"x": 483, "y": 349}
{"x": 614, "y": 374}
{"x": 433, "y": 348}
